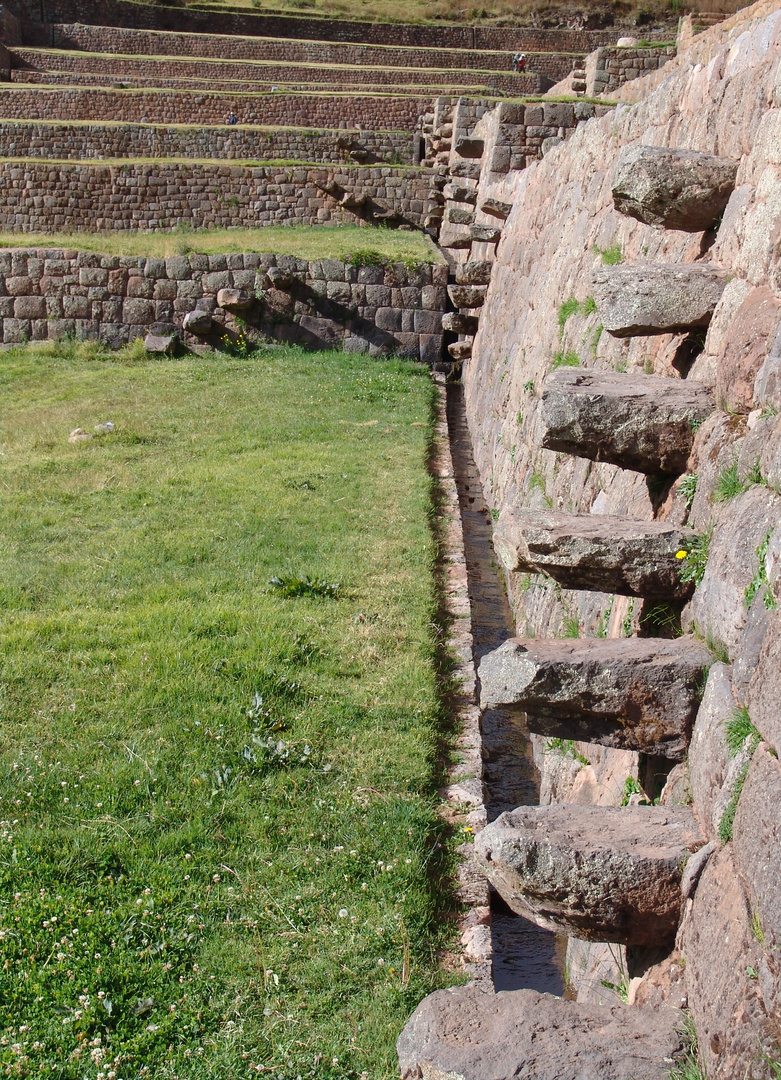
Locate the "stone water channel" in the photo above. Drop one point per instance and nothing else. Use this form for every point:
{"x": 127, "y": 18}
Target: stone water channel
{"x": 524, "y": 956}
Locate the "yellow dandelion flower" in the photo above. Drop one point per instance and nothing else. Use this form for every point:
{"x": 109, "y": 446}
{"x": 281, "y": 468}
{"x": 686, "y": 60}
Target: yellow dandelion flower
{"x": 681, "y": 554}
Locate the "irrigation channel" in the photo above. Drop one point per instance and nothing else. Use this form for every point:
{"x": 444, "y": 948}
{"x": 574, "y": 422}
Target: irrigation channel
{"x": 524, "y": 956}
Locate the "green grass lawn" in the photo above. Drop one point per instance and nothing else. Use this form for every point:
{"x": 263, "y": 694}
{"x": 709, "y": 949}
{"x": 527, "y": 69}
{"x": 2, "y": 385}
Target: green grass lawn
{"x": 218, "y": 838}
{"x": 304, "y": 241}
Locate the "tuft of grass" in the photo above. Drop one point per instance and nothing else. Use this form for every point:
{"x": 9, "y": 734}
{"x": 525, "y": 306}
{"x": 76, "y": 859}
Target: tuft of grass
{"x": 759, "y": 580}
{"x": 570, "y": 627}
{"x": 695, "y": 559}
{"x": 537, "y": 481}
{"x": 728, "y": 484}
{"x": 589, "y": 306}
{"x": 219, "y": 848}
{"x": 728, "y": 817}
{"x": 566, "y": 309}
{"x": 565, "y": 747}
{"x": 717, "y": 648}
{"x": 611, "y": 256}
{"x": 291, "y": 585}
{"x": 756, "y": 927}
{"x": 687, "y": 487}
{"x": 565, "y": 359}
{"x": 738, "y": 728}
{"x": 305, "y": 242}
{"x": 529, "y": 386}
{"x": 688, "y": 1068}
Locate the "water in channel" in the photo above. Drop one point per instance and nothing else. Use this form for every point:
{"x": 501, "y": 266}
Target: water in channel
{"x": 524, "y": 956}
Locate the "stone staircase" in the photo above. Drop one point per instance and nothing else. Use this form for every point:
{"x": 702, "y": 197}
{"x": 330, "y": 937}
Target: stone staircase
{"x": 609, "y": 874}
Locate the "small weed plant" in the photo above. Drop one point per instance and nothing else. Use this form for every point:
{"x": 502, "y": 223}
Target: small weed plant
{"x": 291, "y": 585}
{"x": 760, "y": 582}
{"x": 694, "y": 558}
{"x": 728, "y": 817}
{"x": 566, "y": 309}
{"x": 611, "y": 256}
{"x": 687, "y": 488}
{"x": 688, "y": 1068}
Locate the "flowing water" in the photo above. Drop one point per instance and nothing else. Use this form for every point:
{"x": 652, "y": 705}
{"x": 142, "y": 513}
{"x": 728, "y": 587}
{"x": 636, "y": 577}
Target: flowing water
{"x": 525, "y": 957}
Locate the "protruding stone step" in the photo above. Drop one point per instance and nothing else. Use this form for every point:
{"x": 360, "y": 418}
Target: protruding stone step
{"x": 601, "y": 873}
{"x": 197, "y": 322}
{"x": 474, "y": 272}
{"x": 459, "y": 323}
{"x": 634, "y": 301}
{"x": 674, "y": 189}
{"x": 459, "y": 215}
{"x": 460, "y": 192}
{"x": 485, "y": 234}
{"x": 588, "y": 551}
{"x": 628, "y": 693}
{"x": 460, "y": 350}
{"x": 496, "y": 208}
{"x": 466, "y": 1034}
{"x": 640, "y": 422}
{"x": 470, "y": 148}
{"x": 468, "y": 170}
{"x": 467, "y": 296}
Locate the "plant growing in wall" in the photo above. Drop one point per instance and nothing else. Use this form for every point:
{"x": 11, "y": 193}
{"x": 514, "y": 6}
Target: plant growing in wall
{"x": 694, "y": 559}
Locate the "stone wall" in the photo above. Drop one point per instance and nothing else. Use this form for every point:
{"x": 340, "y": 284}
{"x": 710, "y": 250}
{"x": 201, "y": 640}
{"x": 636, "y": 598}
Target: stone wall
{"x": 189, "y": 107}
{"x": 122, "y": 13}
{"x": 49, "y": 294}
{"x": 539, "y": 312}
{"x": 45, "y": 197}
{"x": 613, "y": 66}
{"x": 229, "y": 75}
{"x": 115, "y": 39}
{"x": 80, "y": 142}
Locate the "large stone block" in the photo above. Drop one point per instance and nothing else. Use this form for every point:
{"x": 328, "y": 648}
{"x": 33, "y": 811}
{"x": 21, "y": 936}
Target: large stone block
{"x": 458, "y": 323}
{"x": 466, "y": 1034}
{"x": 634, "y": 301}
{"x": 601, "y": 873}
{"x": 675, "y": 189}
{"x": 474, "y": 272}
{"x": 764, "y": 690}
{"x": 588, "y": 551}
{"x": 467, "y": 296}
{"x": 484, "y": 234}
{"x": 640, "y": 422}
{"x": 630, "y": 693}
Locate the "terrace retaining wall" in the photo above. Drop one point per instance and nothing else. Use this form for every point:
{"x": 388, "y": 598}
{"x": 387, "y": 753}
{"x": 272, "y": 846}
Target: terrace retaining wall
{"x": 57, "y": 196}
{"x": 612, "y": 67}
{"x": 197, "y": 107}
{"x": 50, "y": 294}
{"x": 173, "y": 72}
{"x": 121, "y": 13}
{"x": 114, "y": 39}
{"x": 81, "y": 142}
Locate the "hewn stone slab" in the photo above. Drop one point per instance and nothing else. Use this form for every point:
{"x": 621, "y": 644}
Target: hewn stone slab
{"x": 601, "y": 873}
{"x": 588, "y": 551}
{"x": 674, "y": 189}
{"x": 630, "y": 693}
{"x": 485, "y": 234}
{"x": 466, "y": 1034}
{"x": 640, "y": 422}
{"x": 757, "y": 840}
{"x": 474, "y": 272}
{"x": 459, "y": 324}
{"x": 467, "y": 296}
{"x": 458, "y": 215}
{"x": 460, "y": 350}
{"x": 764, "y": 691}
{"x": 634, "y": 301}
{"x": 496, "y": 208}
{"x": 470, "y": 148}
{"x": 460, "y": 192}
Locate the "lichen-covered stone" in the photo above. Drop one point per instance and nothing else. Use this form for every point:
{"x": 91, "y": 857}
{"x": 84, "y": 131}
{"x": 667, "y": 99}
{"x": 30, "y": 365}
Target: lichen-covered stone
{"x": 630, "y": 693}
{"x": 591, "y": 551}
{"x": 601, "y": 873}
{"x": 459, "y": 323}
{"x": 474, "y": 272}
{"x": 467, "y": 296}
{"x": 637, "y": 421}
{"x": 634, "y": 301}
{"x": 672, "y": 188}
{"x": 464, "y": 1034}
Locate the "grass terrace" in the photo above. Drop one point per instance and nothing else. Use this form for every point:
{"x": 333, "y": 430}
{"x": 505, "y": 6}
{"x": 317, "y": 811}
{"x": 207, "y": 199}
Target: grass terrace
{"x": 220, "y": 715}
{"x": 346, "y": 242}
